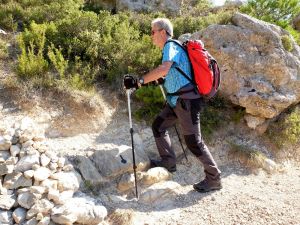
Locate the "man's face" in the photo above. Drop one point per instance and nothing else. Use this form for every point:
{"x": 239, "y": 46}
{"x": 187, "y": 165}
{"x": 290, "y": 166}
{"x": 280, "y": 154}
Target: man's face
{"x": 157, "y": 35}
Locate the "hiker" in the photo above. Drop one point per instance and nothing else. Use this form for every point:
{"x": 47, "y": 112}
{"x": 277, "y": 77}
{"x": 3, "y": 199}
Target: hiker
{"x": 183, "y": 107}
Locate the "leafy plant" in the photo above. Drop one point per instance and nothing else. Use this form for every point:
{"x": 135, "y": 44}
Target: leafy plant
{"x": 287, "y": 43}
{"x": 286, "y": 130}
{"x": 279, "y": 12}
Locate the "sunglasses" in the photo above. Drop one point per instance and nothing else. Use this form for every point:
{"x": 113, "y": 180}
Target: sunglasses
{"x": 153, "y": 31}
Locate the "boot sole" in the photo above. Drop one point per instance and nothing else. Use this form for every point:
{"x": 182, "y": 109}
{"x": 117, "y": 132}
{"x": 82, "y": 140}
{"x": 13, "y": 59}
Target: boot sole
{"x": 203, "y": 190}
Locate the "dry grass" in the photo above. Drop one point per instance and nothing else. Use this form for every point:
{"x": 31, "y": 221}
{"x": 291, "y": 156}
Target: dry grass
{"x": 121, "y": 217}
{"x": 246, "y": 155}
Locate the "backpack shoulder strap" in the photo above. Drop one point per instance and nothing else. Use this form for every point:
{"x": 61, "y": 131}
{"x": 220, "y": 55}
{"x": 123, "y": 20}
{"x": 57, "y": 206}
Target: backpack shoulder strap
{"x": 178, "y": 68}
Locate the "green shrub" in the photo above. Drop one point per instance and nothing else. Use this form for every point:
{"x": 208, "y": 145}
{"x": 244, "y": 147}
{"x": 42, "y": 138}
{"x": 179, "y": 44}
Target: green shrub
{"x": 294, "y": 33}
{"x": 286, "y": 130}
{"x": 3, "y": 49}
{"x": 153, "y": 101}
{"x": 31, "y": 62}
{"x": 287, "y": 43}
{"x": 278, "y": 12}
{"x": 58, "y": 60}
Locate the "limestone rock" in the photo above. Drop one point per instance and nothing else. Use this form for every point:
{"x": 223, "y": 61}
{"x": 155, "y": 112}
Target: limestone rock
{"x": 14, "y": 150}
{"x": 67, "y": 181}
{"x": 5, "y": 143}
{"x": 26, "y": 199}
{"x": 257, "y": 72}
{"x": 126, "y": 182}
{"x": 16, "y": 180}
{"x": 27, "y": 162}
{"x": 41, "y": 174}
{"x": 169, "y": 6}
{"x": 4, "y": 155}
{"x": 7, "y": 201}
{"x": 82, "y": 210}
{"x": 109, "y": 161}
{"x": 41, "y": 206}
{"x": 253, "y": 121}
{"x": 19, "y": 215}
{"x": 155, "y": 175}
{"x": 6, "y": 217}
{"x": 159, "y": 192}
{"x": 88, "y": 170}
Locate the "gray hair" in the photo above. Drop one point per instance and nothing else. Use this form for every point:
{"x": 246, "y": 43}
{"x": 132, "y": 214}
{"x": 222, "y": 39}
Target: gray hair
{"x": 165, "y": 24}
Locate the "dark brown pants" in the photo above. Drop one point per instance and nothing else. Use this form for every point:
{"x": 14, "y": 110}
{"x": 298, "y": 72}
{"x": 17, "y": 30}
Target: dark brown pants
{"x": 187, "y": 112}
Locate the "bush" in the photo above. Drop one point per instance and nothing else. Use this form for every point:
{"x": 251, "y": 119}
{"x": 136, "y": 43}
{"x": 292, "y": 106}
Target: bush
{"x": 286, "y": 130}
{"x": 153, "y": 101}
{"x": 31, "y": 62}
{"x": 287, "y": 43}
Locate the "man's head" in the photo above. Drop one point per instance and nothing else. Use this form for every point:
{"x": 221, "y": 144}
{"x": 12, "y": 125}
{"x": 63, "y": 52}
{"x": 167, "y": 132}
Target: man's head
{"x": 161, "y": 30}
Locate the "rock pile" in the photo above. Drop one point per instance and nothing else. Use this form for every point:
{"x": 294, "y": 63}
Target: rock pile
{"x": 37, "y": 186}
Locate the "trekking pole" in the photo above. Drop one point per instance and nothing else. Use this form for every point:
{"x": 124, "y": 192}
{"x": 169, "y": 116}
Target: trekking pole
{"x": 132, "y": 144}
{"x": 163, "y": 93}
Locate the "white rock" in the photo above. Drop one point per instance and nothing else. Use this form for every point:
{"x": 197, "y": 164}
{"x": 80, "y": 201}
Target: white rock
{"x": 14, "y": 150}
{"x": 7, "y": 201}
{"x": 4, "y": 155}
{"x": 37, "y": 189}
{"x": 4, "y": 144}
{"x": 41, "y": 174}
{"x": 5, "y": 217}
{"x": 61, "y": 161}
{"x": 68, "y": 168}
{"x": 67, "y": 181}
{"x": 27, "y": 162}
{"x": 64, "y": 197}
{"x": 26, "y": 199}
{"x": 49, "y": 184}
{"x": 32, "y": 221}
{"x": 80, "y": 210}
{"x": 26, "y": 123}
{"x": 53, "y": 194}
{"x": 53, "y": 166}
{"x": 45, "y": 160}
{"x": 29, "y": 174}
{"x": 155, "y": 175}
{"x": 159, "y": 193}
{"x": 39, "y": 216}
{"x": 19, "y": 215}
{"x": 44, "y": 221}
{"x": 41, "y": 206}
{"x": 27, "y": 144}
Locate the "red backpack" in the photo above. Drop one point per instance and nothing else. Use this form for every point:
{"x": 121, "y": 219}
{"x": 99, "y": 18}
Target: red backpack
{"x": 205, "y": 70}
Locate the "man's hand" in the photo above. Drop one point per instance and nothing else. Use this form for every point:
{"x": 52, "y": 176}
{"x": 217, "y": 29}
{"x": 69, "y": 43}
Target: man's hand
{"x": 130, "y": 82}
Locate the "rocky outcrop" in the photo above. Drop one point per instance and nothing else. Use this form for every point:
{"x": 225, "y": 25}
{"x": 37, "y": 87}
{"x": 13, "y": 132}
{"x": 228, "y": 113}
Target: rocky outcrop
{"x": 168, "y": 6}
{"x": 37, "y": 186}
{"x": 258, "y": 72}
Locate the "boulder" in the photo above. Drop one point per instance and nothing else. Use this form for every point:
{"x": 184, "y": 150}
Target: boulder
{"x": 117, "y": 160}
{"x": 258, "y": 73}
{"x": 82, "y": 210}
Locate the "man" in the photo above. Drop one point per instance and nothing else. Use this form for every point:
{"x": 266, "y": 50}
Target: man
{"x": 183, "y": 104}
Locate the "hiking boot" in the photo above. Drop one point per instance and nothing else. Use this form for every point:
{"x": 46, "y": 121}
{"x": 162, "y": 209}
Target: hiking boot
{"x": 158, "y": 163}
{"x": 206, "y": 186}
